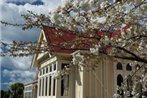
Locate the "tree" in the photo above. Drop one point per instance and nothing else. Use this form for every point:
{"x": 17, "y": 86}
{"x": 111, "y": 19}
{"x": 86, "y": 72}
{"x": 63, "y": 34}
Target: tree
{"x": 113, "y": 27}
{"x": 4, "y": 94}
{"x": 117, "y": 29}
{"x": 17, "y": 90}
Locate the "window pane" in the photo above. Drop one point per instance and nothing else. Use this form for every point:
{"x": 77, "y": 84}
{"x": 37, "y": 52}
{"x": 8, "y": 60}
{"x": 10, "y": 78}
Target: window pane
{"x": 62, "y": 87}
{"x": 128, "y": 67}
{"x": 54, "y": 87}
{"x": 54, "y": 66}
{"x": 43, "y": 87}
{"x": 40, "y": 88}
{"x": 40, "y": 72}
{"x": 46, "y": 86}
{"x": 119, "y": 80}
{"x": 65, "y": 85}
{"x": 46, "y": 69}
{"x": 50, "y": 85}
{"x": 64, "y": 82}
{"x": 119, "y": 66}
{"x": 50, "y": 68}
{"x": 43, "y": 70}
{"x": 30, "y": 94}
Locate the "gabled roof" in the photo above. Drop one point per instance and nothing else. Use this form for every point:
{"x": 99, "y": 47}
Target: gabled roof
{"x": 67, "y": 42}
{"x": 58, "y": 38}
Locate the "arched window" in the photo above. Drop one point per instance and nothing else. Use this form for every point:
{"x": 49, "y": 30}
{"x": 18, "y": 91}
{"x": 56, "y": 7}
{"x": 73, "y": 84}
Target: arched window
{"x": 119, "y": 66}
{"x": 119, "y": 80}
{"x": 128, "y": 67}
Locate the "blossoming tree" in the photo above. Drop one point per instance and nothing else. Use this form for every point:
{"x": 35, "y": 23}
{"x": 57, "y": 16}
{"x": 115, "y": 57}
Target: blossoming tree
{"x": 116, "y": 29}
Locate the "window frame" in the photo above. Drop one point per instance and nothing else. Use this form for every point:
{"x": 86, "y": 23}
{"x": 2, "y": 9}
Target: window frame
{"x": 119, "y": 66}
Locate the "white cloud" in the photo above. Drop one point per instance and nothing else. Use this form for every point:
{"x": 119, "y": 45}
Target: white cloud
{"x": 15, "y": 73}
{"x": 22, "y": 63}
{"x": 52, "y": 3}
{"x": 12, "y": 13}
{"x": 19, "y": 75}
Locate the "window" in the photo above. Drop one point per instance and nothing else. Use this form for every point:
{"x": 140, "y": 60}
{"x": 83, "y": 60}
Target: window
{"x": 47, "y": 82}
{"x": 50, "y": 68}
{"x": 46, "y": 86}
{"x": 51, "y": 81}
{"x": 54, "y": 86}
{"x": 119, "y": 66}
{"x": 54, "y": 66}
{"x": 30, "y": 94}
{"x": 46, "y": 69}
{"x": 64, "y": 82}
{"x": 43, "y": 87}
{"x": 40, "y": 88}
{"x": 28, "y": 91}
{"x": 62, "y": 88}
{"x": 119, "y": 80}
{"x": 50, "y": 78}
{"x": 128, "y": 67}
{"x": 40, "y": 72}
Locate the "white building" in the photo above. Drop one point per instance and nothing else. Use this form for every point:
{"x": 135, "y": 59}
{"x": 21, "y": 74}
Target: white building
{"x": 80, "y": 83}
{"x": 30, "y": 90}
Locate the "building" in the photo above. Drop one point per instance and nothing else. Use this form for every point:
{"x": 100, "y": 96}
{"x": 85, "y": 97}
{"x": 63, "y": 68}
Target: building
{"x": 79, "y": 83}
{"x": 30, "y": 90}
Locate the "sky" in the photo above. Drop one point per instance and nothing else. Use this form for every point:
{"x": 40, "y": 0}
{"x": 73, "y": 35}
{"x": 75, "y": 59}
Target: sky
{"x": 18, "y": 69}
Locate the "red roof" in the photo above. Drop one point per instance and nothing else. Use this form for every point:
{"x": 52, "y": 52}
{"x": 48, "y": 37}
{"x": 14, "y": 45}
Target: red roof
{"x": 57, "y": 38}
{"x": 63, "y": 41}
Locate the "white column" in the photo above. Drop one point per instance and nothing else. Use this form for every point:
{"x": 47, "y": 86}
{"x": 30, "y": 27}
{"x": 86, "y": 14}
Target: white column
{"x": 58, "y": 87}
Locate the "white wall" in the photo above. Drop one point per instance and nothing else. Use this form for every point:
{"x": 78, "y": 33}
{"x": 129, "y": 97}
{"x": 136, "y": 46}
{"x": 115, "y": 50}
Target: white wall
{"x": 95, "y": 84}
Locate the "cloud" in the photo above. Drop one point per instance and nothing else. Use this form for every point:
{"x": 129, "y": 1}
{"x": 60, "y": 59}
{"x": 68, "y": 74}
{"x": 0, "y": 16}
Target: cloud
{"x": 12, "y": 76}
{"x": 10, "y": 33}
{"x": 18, "y": 73}
{"x": 18, "y": 69}
{"x": 12, "y": 63}
{"x": 23, "y": 2}
{"x": 22, "y": 63}
{"x": 12, "y": 13}
{"x": 52, "y": 3}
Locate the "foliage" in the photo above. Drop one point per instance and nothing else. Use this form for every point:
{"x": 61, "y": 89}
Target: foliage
{"x": 16, "y": 86}
{"x": 118, "y": 27}
{"x": 4, "y": 94}
{"x": 17, "y": 90}
{"x": 117, "y": 30}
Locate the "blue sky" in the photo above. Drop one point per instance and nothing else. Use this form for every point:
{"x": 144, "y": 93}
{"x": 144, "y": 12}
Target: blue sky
{"x": 18, "y": 69}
